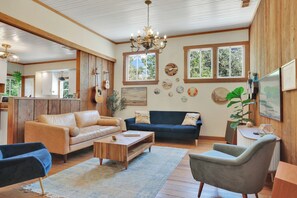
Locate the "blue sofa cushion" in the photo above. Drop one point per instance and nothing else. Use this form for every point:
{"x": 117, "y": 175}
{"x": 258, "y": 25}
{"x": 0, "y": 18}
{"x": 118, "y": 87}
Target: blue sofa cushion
{"x": 42, "y": 155}
{"x": 184, "y": 129}
{"x": 167, "y": 117}
{"x": 151, "y": 127}
{"x": 1, "y": 155}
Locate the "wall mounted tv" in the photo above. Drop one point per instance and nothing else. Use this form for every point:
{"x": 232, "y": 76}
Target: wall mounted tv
{"x": 271, "y": 95}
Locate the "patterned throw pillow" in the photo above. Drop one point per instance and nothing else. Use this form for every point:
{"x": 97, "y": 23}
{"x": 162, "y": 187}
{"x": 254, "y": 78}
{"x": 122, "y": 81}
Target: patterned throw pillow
{"x": 142, "y": 117}
{"x": 191, "y": 119}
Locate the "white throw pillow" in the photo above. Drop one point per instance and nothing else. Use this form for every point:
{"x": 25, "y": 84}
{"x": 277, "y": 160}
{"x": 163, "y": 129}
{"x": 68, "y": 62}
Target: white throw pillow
{"x": 191, "y": 119}
{"x": 142, "y": 117}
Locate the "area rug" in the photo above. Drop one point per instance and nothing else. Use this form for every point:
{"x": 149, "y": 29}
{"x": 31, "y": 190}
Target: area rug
{"x": 145, "y": 176}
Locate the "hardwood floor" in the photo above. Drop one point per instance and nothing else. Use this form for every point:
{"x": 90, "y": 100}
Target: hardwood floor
{"x": 179, "y": 184}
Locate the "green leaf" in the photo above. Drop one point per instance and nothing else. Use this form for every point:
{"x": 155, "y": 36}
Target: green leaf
{"x": 247, "y": 101}
{"x": 232, "y": 103}
{"x": 246, "y": 113}
{"x": 235, "y": 116}
{"x": 234, "y": 125}
{"x": 238, "y": 91}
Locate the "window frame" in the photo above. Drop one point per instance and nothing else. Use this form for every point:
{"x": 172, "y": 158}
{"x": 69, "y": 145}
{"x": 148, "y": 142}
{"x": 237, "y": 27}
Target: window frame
{"x": 20, "y": 91}
{"x": 140, "y": 82}
{"x": 215, "y": 68}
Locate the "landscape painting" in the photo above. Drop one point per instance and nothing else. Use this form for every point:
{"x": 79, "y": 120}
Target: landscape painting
{"x": 135, "y": 96}
{"x": 270, "y": 96}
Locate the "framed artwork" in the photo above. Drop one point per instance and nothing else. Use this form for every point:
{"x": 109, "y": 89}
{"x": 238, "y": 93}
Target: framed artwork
{"x": 135, "y": 96}
{"x": 288, "y": 74}
{"x": 270, "y": 95}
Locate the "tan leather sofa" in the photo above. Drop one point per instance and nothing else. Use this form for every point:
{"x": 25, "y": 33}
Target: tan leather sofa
{"x": 65, "y": 133}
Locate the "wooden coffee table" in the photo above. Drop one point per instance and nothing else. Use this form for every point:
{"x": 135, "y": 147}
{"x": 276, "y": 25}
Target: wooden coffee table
{"x": 124, "y": 148}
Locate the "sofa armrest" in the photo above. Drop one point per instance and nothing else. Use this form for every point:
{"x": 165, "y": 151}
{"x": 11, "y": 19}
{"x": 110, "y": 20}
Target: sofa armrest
{"x": 129, "y": 121}
{"x": 21, "y": 148}
{"x": 55, "y": 138}
{"x": 122, "y": 123}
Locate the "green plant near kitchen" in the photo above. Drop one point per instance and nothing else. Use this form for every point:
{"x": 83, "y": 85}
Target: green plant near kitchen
{"x": 238, "y": 101}
{"x": 115, "y": 103}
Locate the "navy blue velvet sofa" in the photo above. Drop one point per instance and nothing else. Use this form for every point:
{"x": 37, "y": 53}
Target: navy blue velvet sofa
{"x": 167, "y": 124}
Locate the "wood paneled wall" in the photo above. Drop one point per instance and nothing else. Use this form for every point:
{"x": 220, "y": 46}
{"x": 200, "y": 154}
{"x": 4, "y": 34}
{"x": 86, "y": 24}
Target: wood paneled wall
{"x": 86, "y": 64}
{"x": 273, "y": 43}
{"x": 21, "y": 110}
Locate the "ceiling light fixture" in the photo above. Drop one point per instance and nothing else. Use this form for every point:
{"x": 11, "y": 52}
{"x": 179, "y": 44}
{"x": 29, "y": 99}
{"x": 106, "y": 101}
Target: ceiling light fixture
{"x": 150, "y": 39}
{"x": 9, "y": 56}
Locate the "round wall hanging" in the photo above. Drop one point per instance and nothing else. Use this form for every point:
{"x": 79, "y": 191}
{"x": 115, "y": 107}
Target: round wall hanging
{"x": 170, "y": 94}
{"x": 167, "y": 84}
{"x": 219, "y": 95}
{"x": 177, "y": 80}
{"x": 180, "y": 89}
{"x": 184, "y": 99}
{"x": 171, "y": 69}
{"x": 157, "y": 91}
{"x": 192, "y": 91}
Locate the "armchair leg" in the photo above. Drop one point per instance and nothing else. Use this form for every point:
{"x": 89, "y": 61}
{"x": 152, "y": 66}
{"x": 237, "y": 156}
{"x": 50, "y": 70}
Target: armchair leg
{"x": 41, "y": 186}
{"x": 244, "y": 196}
{"x": 200, "y": 189}
{"x": 65, "y": 158}
{"x": 196, "y": 142}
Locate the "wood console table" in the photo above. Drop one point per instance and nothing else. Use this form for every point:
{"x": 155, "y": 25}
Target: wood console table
{"x": 246, "y": 136}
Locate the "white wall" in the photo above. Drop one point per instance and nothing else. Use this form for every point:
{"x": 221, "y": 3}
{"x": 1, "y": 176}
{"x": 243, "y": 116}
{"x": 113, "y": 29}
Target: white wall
{"x": 33, "y": 68}
{"x": 40, "y": 17}
{"x": 214, "y": 116}
{"x": 12, "y": 67}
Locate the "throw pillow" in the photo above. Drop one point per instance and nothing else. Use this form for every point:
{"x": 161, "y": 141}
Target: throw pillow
{"x": 108, "y": 122}
{"x": 142, "y": 117}
{"x": 191, "y": 119}
{"x": 73, "y": 131}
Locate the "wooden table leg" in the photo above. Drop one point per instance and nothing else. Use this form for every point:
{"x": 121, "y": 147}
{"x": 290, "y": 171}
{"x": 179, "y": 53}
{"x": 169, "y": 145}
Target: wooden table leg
{"x": 150, "y": 149}
{"x": 101, "y": 160}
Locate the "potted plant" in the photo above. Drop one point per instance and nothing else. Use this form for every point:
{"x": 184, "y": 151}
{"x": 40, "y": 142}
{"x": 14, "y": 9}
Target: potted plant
{"x": 236, "y": 99}
{"x": 115, "y": 103}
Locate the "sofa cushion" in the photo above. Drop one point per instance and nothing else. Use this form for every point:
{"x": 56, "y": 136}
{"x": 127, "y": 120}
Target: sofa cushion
{"x": 142, "y": 117}
{"x": 1, "y": 155}
{"x": 66, "y": 119}
{"x": 167, "y": 117}
{"x": 92, "y": 132}
{"x": 109, "y": 122}
{"x": 184, "y": 129}
{"x": 86, "y": 118}
{"x": 73, "y": 131}
{"x": 151, "y": 127}
{"x": 191, "y": 119}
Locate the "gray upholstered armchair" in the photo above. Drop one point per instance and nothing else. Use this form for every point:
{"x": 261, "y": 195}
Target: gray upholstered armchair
{"x": 234, "y": 168}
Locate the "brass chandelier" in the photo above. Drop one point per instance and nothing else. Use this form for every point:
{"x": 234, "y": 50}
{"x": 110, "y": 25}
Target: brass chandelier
{"x": 150, "y": 39}
{"x": 9, "y": 56}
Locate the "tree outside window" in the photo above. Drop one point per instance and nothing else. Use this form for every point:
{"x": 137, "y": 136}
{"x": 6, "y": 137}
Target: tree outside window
{"x": 64, "y": 89}
{"x": 13, "y": 88}
{"x": 200, "y": 64}
{"x": 140, "y": 68}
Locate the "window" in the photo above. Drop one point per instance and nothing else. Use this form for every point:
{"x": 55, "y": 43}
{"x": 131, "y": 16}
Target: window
{"x": 64, "y": 89}
{"x": 12, "y": 87}
{"x": 140, "y": 68}
{"x": 226, "y": 62}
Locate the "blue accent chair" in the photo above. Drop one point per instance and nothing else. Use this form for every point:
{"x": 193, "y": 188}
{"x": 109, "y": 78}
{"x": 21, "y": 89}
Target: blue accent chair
{"x": 234, "y": 168}
{"x": 167, "y": 124}
{"x": 22, "y": 162}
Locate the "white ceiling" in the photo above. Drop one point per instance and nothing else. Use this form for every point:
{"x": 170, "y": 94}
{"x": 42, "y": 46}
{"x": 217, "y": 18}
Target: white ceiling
{"x": 30, "y": 48}
{"x": 117, "y": 19}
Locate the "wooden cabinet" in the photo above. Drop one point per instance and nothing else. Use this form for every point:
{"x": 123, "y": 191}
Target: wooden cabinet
{"x": 246, "y": 136}
{"x": 3, "y": 75}
{"x": 49, "y": 84}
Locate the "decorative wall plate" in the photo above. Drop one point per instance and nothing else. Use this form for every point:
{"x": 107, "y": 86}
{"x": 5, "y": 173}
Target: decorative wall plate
{"x": 171, "y": 69}
{"x": 170, "y": 94}
{"x": 177, "y": 80}
{"x": 167, "y": 84}
{"x": 180, "y": 89}
{"x": 219, "y": 95}
{"x": 157, "y": 91}
{"x": 192, "y": 91}
{"x": 184, "y": 99}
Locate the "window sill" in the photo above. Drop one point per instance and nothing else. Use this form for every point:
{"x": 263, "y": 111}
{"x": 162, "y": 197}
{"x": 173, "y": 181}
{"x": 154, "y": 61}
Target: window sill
{"x": 215, "y": 80}
{"x": 153, "y": 82}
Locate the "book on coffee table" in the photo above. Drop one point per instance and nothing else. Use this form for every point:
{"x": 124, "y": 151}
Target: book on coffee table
{"x": 131, "y": 133}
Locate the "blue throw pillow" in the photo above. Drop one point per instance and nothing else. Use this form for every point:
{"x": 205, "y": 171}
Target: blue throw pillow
{"x": 1, "y": 156}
